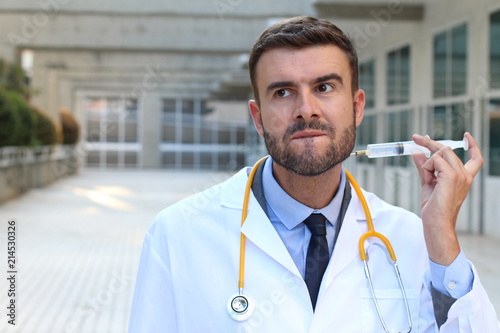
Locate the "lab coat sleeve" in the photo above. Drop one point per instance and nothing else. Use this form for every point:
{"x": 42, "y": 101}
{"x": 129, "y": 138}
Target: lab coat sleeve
{"x": 473, "y": 312}
{"x": 153, "y": 307}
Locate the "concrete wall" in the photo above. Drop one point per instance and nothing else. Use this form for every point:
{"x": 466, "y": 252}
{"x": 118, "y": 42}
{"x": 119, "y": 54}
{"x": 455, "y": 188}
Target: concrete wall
{"x": 22, "y": 169}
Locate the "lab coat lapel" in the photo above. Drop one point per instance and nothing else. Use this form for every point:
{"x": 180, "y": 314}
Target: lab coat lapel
{"x": 257, "y": 227}
{"x": 346, "y": 250}
{"x": 260, "y": 231}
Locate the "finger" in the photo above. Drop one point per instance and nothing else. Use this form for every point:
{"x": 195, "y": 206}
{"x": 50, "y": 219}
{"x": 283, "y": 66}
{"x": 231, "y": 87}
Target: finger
{"x": 419, "y": 160}
{"x": 438, "y": 148}
{"x": 428, "y": 167}
{"x": 431, "y": 165}
{"x": 449, "y": 156}
{"x": 427, "y": 142}
{"x": 476, "y": 160}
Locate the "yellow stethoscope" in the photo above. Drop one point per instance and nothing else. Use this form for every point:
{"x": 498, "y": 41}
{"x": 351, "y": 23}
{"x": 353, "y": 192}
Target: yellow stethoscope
{"x": 240, "y": 307}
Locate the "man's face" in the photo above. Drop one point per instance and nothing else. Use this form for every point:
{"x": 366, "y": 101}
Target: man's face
{"x": 308, "y": 113}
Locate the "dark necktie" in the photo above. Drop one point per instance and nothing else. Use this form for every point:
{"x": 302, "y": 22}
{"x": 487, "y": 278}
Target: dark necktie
{"x": 317, "y": 255}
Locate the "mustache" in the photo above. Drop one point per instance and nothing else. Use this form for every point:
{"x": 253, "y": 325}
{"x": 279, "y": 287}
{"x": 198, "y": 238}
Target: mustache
{"x": 303, "y": 125}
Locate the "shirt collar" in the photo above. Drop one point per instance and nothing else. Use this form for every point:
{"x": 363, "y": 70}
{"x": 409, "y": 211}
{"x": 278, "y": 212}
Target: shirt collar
{"x": 289, "y": 211}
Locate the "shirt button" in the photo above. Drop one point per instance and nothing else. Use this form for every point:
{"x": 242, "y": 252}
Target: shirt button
{"x": 451, "y": 285}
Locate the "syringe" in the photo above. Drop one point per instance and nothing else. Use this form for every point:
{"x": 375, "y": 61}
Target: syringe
{"x": 405, "y": 148}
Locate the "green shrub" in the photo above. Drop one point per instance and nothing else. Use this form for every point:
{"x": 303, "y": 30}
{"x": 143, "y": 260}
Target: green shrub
{"x": 10, "y": 120}
{"x": 45, "y": 130}
{"x": 70, "y": 127}
{"x": 4, "y": 68}
{"x": 13, "y": 78}
{"x": 25, "y": 135}
{"x": 20, "y": 124}
{"x": 16, "y": 80}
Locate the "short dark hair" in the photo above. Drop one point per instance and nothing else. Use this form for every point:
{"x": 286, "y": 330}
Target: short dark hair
{"x": 299, "y": 32}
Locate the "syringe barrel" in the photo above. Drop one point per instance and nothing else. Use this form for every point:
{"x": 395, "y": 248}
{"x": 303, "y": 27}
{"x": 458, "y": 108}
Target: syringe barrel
{"x": 395, "y": 149}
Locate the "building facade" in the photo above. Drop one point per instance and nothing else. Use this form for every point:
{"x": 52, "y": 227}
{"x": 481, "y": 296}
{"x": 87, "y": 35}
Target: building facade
{"x": 164, "y": 84}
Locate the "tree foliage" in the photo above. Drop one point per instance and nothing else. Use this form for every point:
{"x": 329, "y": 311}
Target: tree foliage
{"x": 45, "y": 129}
{"x": 22, "y": 124}
{"x": 13, "y": 78}
{"x": 70, "y": 127}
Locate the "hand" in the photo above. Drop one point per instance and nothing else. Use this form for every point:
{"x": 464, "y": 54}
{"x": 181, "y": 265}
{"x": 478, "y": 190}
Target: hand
{"x": 445, "y": 183}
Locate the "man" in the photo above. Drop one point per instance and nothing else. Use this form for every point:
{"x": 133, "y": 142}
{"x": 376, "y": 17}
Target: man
{"x": 307, "y": 107}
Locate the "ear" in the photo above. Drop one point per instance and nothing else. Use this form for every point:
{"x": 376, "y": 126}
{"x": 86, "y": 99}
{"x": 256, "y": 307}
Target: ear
{"x": 256, "y": 116}
{"x": 359, "y": 105}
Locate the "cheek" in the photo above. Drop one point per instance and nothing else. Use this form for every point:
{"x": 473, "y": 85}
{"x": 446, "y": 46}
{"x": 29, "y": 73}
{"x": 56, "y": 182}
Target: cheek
{"x": 274, "y": 122}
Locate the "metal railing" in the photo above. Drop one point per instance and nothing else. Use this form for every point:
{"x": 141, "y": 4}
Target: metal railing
{"x": 12, "y": 156}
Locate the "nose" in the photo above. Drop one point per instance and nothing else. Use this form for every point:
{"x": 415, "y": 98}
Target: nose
{"x": 307, "y": 107}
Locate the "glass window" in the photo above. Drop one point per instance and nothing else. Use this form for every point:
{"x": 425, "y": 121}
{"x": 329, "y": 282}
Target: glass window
{"x": 440, "y": 65}
{"x": 404, "y": 83}
{"x": 450, "y": 122}
{"x": 131, "y": 132}
{"x": 494, "y": 148}
{"x": 450, "y": 62}
{"x": 168, "y": 105}
{"x": 391, "y": 79}
{"x": 367, "y": 134}
{"x": 397, "y": 130}
{"x": 112, "y": 132}
{"x": 495, "y": 50}
{"x": 458, "y": 60}
{"x": 196, "y": 139}
{"x": 168, "y": 126}
{"x": 111, "y": 120}
{"x": 459, "y": 118}
{"x": 131, "y": 159}
{"x": 367, "y": 81}
{"x": 398, "y": 76}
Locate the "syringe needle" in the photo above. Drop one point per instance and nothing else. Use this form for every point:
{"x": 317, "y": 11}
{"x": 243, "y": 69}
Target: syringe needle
{"x": 359, "y": 153}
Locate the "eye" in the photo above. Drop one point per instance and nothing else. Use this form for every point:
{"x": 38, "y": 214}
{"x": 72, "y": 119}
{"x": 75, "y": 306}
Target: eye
{"x": 323, "y": 88}
{"x": 282, "y": 93}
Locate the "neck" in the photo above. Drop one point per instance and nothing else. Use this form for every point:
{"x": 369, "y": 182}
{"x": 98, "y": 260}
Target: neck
{"x": 313, "y": 191}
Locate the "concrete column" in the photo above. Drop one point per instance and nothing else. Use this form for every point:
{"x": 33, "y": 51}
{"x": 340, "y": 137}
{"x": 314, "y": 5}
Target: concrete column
{"x": 151, "y": 126}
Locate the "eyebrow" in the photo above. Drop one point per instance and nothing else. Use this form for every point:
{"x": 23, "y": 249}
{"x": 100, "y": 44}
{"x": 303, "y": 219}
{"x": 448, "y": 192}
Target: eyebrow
{"x": 328, "y": 77}
{"x": 284, "y": 84}
{"x": 280, "y": 84}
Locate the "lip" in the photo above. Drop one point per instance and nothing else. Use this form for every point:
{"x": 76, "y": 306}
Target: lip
{"x": 307, "y": 134}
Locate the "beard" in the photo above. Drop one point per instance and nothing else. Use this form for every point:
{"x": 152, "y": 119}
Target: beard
{"x": 310, "y": 162}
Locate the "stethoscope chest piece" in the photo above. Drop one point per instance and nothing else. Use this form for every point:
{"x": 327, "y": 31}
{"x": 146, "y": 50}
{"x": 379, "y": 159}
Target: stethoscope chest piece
{"x": 240, "y": 307}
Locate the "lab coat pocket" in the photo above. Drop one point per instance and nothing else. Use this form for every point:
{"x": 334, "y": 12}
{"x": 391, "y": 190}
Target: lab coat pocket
{"x": 392, "y": 308}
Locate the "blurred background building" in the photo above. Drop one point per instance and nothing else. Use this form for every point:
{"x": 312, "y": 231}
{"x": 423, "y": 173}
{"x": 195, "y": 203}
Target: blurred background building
{"x": 164, "y": 84}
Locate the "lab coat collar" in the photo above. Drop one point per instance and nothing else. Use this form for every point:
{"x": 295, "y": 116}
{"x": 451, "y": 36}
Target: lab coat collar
{"x": 238, "y": 183}
{"x": 234, "y": 184}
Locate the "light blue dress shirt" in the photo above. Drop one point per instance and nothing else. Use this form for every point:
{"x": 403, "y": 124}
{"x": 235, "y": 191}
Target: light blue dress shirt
{"x": 287, "y": 216}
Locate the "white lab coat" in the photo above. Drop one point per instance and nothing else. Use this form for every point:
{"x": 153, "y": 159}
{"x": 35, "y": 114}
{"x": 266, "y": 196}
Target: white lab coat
{"x": 189, "y": 270}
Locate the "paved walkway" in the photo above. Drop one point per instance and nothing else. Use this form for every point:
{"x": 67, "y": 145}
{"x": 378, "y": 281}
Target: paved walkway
{"x": 79, "y": 240}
